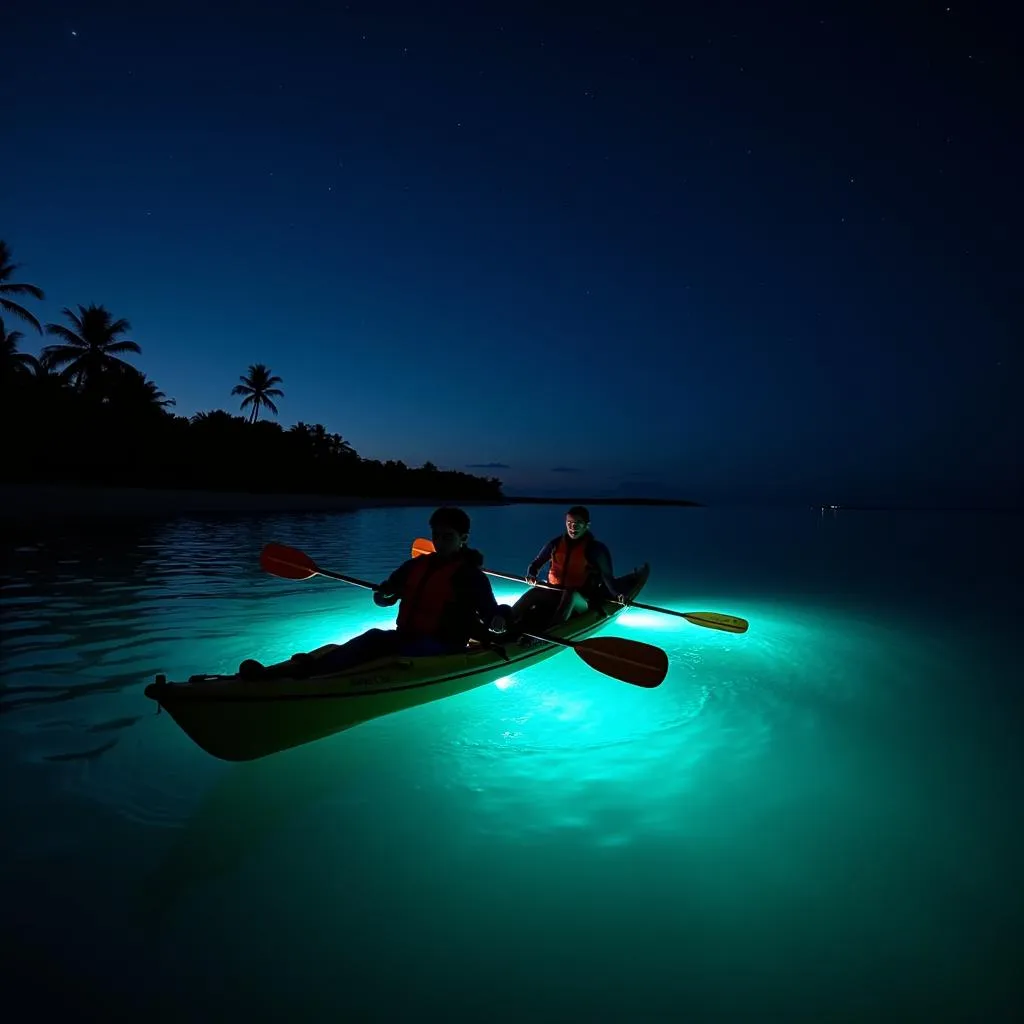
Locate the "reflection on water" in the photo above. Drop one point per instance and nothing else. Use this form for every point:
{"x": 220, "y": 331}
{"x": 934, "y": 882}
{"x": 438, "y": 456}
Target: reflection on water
{"x": 821, "y": 777}
{"x": 88, "y": 613}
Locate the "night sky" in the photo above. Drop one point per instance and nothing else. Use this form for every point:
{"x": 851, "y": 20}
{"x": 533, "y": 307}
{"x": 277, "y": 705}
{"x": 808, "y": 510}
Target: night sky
{"x": 757, "y": 252}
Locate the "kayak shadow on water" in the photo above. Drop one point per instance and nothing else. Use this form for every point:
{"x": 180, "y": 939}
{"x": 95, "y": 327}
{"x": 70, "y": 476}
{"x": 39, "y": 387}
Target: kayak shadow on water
{"x": 251, "y": 803}
{"x": 14, "y": 697}
{"x": 93, "y": 740}
{"x": 83, "y": 755}
{"x": 92, "y": 753}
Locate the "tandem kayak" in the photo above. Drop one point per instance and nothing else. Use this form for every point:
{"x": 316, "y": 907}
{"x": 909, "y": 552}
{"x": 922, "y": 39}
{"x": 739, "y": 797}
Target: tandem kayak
{"x": 242, "y": 719}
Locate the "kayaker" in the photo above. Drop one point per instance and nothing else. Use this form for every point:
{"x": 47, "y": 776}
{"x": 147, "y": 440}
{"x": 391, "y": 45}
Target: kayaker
{"x": 579, "y": 563}
{"x": 444, "y": 601}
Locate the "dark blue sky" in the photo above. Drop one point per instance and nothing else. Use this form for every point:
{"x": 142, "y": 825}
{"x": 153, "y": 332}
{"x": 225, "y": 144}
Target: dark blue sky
{"x": 755, "y": 252}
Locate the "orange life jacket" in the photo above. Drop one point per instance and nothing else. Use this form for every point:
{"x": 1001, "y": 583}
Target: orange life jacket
{"x": 429, "y": 593}
{"x": 570, "y": 567}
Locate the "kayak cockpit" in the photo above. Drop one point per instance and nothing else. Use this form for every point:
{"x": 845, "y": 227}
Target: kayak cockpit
{"x": 515, "y": 648}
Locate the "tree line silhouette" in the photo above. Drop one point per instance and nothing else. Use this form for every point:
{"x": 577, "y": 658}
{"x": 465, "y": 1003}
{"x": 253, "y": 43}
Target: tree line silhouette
{"x": 79, "y": 413}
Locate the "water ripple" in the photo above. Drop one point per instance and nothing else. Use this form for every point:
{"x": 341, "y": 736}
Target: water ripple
{"x": 87, "y": 620}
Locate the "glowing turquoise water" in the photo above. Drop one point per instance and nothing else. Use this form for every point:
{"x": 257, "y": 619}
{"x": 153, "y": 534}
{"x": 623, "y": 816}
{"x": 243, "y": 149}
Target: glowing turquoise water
{"x": 820, "y": 819}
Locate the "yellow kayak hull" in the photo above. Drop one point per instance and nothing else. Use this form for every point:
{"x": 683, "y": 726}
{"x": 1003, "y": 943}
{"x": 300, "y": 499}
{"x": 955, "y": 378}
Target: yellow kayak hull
{"x": 242, "y": 719}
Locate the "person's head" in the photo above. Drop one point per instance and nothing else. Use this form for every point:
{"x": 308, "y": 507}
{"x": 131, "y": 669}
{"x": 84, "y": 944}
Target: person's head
{"x": 449, "y": 530}
{"x": 577, "y": 521}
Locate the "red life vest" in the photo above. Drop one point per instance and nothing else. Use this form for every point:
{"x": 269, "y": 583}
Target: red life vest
{"x": 429, "y": 594}
{"x": 570, "y": 567}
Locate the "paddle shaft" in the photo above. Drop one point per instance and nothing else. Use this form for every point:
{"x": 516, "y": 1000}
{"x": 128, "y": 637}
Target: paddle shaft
{"x": 709, "y": 620}
{"x": 550, "y": 640}
{"x": 347, "y": 579}
{"x": 640, "y": 664}
{"x": 521, "y": 579}
{"x": 552, "y": 586}
{"x": 573, "y": 645}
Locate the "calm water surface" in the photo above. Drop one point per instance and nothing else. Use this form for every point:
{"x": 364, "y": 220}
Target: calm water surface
{"x": 820, "y": 819}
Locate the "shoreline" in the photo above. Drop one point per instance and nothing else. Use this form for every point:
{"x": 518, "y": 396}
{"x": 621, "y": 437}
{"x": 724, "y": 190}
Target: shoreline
{"x": 72, "y": 501}
{"x": 69, "y": 501}
{"x": 666, "y": 502}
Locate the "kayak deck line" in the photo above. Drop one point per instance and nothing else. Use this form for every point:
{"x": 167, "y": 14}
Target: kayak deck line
{"x": 239, "y": 719}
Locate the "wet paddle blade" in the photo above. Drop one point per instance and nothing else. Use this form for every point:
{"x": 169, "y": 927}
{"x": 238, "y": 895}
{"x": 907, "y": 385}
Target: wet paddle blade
{"x": 629, "y": 660}
{"x": 710, "y": 620}
{"x": 422, "y": 546}
{"x": 288, "y": 563}
{"x": 716, "y": 620}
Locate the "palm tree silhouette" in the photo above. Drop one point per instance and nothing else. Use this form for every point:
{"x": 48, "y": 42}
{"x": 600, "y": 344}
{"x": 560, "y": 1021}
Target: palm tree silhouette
{"x": 90, "y": 351}
{"x": 8, "y": 287}
{"x": 216, "y": 419}
{"x": 153, "y": 395}
{"x": 13, "y": 362}
{"x": 258, "y": 388}
{"x": 134, "y": 390}
{"x": 321, "y": 443}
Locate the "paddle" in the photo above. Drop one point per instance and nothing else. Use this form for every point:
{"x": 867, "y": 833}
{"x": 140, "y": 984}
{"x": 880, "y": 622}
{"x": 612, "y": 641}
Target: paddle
{"x": 641, "y": 664}
{"x": 710, "y": 620}
{"x": 292, "y": 564}
{"x": 628, "y": 660}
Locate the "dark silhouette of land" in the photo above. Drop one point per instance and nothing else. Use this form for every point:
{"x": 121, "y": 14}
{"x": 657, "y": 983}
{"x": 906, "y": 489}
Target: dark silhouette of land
{"x": 81, "y": 416}
{"x": 675, "y": 502}
{"x": 81, "y": 426}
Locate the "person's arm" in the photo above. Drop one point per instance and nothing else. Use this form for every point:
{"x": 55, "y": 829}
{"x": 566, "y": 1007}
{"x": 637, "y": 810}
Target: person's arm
{"x": 484, "y": 603}
{"x": 601, "y": 558}
{"x": 543, "y": 557}
{"x": 394, "y": 586}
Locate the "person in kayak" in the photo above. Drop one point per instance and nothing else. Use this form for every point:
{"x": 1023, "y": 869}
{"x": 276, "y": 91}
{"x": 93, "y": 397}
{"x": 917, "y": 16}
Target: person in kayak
{"x": 580, "y": 564}
{"x": 444, "y": 601}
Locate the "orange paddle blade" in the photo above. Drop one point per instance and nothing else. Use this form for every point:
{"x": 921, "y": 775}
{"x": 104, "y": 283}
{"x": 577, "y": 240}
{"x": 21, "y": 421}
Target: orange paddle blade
{"x": 629, "y": 660}
{"x": 288, "y": 563}
{"x": 422, "y": 546}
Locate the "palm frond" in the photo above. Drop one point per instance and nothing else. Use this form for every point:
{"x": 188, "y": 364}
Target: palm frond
{"x": 123, "y": 346}
{"x": 21, "y": 289}
{"x": 28, "y": 361}
{"x": 55, "y": 356}
{"x": 10, "y": 337}
{"x": 20, "y": 311}
{"x": 70, "y": 336}
{"x": 72, "y": 316}
{"x": 70, "y": 373}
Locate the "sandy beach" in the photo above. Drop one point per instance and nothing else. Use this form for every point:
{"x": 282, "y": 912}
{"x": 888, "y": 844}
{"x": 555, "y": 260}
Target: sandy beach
{"x": 55, "y": 501}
